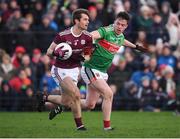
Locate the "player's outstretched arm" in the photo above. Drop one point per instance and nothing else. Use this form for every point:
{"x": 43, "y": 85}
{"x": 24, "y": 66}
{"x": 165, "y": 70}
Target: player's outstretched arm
{"x": 95, "y": 35}
{"x": 138, "y": 47}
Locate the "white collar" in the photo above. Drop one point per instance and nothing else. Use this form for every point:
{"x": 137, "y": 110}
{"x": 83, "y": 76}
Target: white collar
{"x": 74, "y": 34}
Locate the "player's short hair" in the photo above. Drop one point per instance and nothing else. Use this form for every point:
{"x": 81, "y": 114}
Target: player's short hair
{"x": 77, "y": 14}
{"x": 123, "y": 15}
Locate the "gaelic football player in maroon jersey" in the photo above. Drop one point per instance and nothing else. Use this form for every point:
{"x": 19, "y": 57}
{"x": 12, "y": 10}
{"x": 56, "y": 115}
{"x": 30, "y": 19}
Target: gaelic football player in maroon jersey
{"x": 66, "y": 72}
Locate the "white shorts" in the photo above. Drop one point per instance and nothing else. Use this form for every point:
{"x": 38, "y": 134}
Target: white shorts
{"x": 59, "y": 74}
{"x": 89, "y": 75}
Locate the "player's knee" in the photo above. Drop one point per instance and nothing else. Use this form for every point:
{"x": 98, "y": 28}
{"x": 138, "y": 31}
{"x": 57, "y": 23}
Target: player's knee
{"x": 67, "y": 102}
{"x": 76, "y": 94}
{"x": 108, "y": 95}
{"x": 91, "y": 106}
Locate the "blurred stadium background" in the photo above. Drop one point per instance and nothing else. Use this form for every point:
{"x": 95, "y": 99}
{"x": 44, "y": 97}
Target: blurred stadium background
{"x": 140, "y": 82}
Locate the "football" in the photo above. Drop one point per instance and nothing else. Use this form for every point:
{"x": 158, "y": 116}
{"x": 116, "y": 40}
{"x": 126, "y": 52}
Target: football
{"x": 64, "y": 46}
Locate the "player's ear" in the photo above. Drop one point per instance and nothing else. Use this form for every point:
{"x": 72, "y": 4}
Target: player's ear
{"x": 76, "y": 21}
{"x": 126, "y": 26}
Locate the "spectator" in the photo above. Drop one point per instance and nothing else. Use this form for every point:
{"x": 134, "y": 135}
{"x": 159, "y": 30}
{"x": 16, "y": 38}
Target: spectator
{"x": 38, "y": 68}
{"x": 19, "y": 81}
{"x": 138, "y": 75}
{"x": 176, "y": 53}
{"x": 167, "y": 58}
{"x": 45, "y": 34}
{"x": 17, "y": 56}
{"x": 53, "y": 23}
{"x": 132, "y": 62}
{"x": 159, "y": 98}
{"x": 14, "y": 20}
{"x": 73, "y": 5}
{"x": 6, "y": 68}
{"x": 144, "y": 21}
{"x": 38, "y": 12}
{"x": 66, "y": 22}
{"x": 24, "y": 35}
{"x": 30, "y": 19}
{"x": 5, "y": 12}
{"x": 158, "y": 30}
{"x": 145, "y": 95}
{"x": 173, "y": 27}
{"x": 142, "y": 38}
{"x": 7, "y": 97}
{"x": 95, "y": 23}
{"x": 165, "y": 12}
{"x": 27, "y": 99}
{"x": 28, "y": 67}
{"x": 120, "y": 74}
{"x": 153, "y": 64}
{"x": 167, "y": 82}
{"x": 102, "y": 13}
{"x": 129, "y": 96}
{"x": 47, "y": 83}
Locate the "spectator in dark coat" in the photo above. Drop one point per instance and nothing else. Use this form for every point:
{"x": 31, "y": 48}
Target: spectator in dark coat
{"x": 38, "y": 68}
{"x": 24, "y": 36}
{"x": 7, "y": 97}
{"x": 129, "y": 96}
{"x": 45, "y": 34}
{"x": 94, "y": 23}
{"x": 158, "y": 30}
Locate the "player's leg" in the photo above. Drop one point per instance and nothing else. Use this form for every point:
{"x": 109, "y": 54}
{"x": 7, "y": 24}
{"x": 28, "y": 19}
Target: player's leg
{"x": 107, "y": 95}
{"x": 72, "y": 90}
{"x": 67, "y": 79}
{"x": 91, "y": 98}
{"x": 97, "y": 80}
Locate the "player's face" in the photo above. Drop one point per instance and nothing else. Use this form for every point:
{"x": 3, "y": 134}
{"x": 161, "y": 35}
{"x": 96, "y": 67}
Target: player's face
{"x": 120, "y": 25}
{"x": 84, "y": 21}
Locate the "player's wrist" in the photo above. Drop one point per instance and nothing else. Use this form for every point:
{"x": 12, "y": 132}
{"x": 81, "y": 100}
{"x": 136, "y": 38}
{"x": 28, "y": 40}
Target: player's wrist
{"x": 53, "y": 53}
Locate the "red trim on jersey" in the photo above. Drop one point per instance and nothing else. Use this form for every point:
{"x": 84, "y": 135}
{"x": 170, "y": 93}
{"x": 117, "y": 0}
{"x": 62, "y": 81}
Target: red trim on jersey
{"x": 111, "y": 47}
{"x": 93, "y": 79}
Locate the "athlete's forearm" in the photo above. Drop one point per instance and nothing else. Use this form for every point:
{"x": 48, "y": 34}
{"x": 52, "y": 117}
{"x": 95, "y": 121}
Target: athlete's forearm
{"x": 129, "y": 44}
{"x": 51, "y": 49}
{"x": 95, "y": 35}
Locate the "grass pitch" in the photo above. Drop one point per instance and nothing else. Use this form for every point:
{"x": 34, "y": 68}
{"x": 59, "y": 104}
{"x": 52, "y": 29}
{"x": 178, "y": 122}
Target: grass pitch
{"x": 127, "y": 124}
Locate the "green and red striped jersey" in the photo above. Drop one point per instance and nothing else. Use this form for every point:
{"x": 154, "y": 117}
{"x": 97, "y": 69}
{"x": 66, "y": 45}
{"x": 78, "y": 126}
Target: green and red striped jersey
{"x": 106, "y": 47}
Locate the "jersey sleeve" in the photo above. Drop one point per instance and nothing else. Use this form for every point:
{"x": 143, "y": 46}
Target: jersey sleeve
{"x": 57, "y": 39}
{"x": 102, "y": 32}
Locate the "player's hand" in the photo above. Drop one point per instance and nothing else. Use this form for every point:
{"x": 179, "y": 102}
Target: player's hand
{"x": 141, "y": 48}
{"x": 60, "y": 53}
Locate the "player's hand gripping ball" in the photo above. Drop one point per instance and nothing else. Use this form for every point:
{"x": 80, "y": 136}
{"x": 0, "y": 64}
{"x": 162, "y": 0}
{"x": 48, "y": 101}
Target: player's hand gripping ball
{"x": 63, "y": 51}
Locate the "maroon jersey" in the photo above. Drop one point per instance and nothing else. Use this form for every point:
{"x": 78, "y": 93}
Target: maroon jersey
{"x": 78, "y": 44}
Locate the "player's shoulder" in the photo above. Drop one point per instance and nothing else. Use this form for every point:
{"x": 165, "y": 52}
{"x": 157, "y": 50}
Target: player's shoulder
{"x": 86, "y": 33}
{"x": 65, "y": 32}
{"x": 108, "y": 28}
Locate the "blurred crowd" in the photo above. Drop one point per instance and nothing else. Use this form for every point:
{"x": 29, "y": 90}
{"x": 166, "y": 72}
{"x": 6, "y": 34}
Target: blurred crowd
{"x": 145, "y": 82}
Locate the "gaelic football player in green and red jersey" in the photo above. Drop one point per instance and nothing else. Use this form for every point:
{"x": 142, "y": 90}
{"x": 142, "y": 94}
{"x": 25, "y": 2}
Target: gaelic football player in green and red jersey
{"x": 108, "y": 41}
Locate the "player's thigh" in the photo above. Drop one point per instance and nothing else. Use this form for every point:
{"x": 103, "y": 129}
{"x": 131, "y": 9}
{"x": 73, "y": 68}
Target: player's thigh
{"x": 67, "y": 79}
{"x": 92, "y": 95}
{"x": 97, "y": 79}
{"x": 102, "y": 87}
{"x": 69, "y": 87}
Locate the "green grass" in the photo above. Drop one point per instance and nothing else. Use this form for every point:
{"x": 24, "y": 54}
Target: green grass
{"x": 127, "y": 124}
